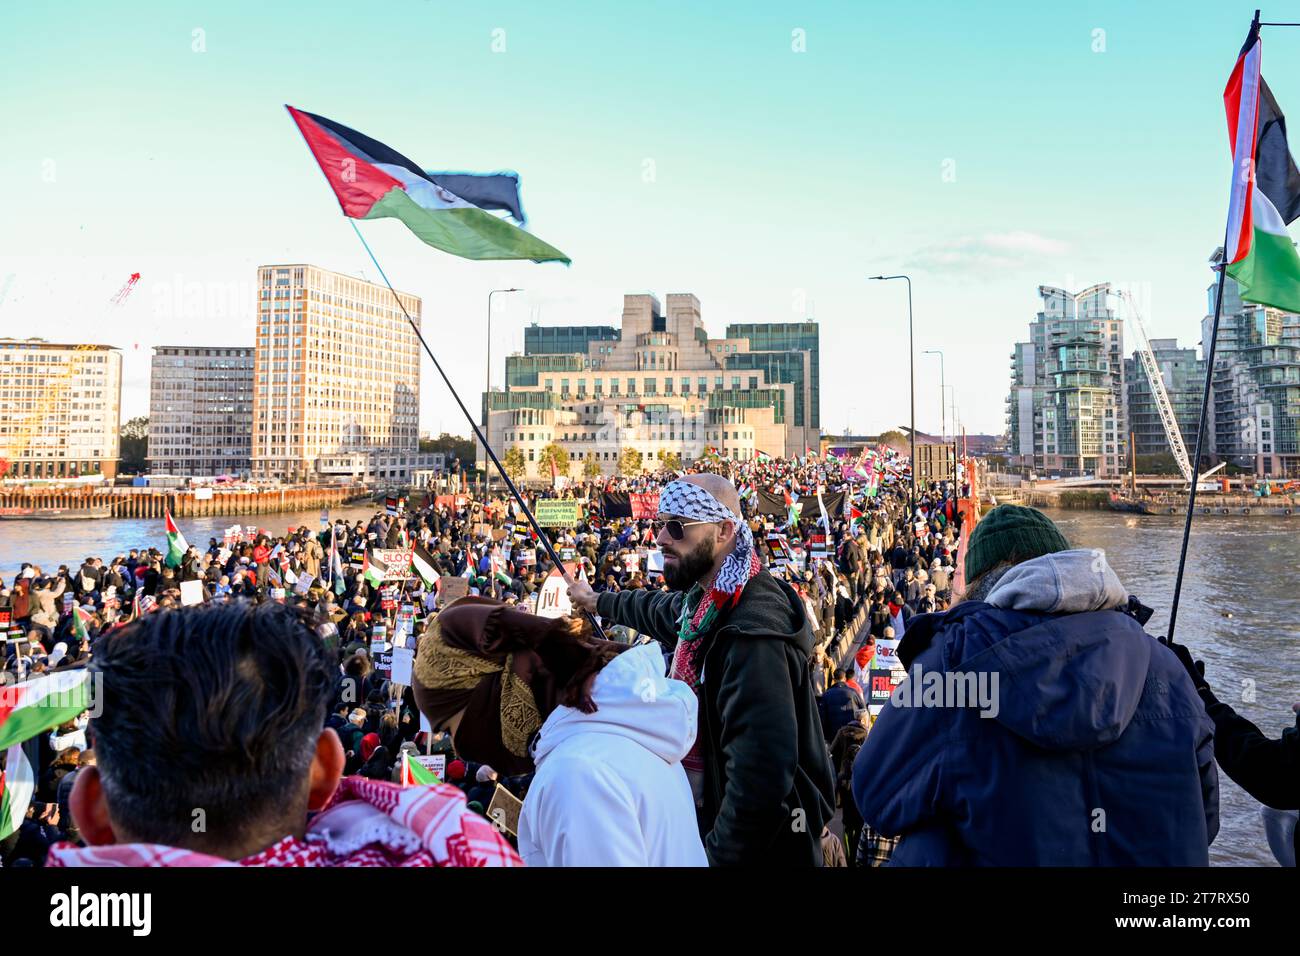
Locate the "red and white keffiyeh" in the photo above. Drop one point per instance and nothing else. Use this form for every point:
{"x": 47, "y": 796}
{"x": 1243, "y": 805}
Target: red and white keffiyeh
{"x": 367, "y": 823}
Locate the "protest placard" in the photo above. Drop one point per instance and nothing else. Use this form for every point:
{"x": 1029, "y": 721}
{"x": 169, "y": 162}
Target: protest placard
{"x": 644, "y": 505}
{"x": 403, "y": 660}
{"x": 553, "y": 599}
{"x": 557, "y": 512}
{"x": 396, "y": 561}
{"x": 434, "y": 763}
{"x": 449, "y": 589}
{"x": 504, "y": 810}
{"x": 191, "y": 592}
{"x": 883, "y": 682}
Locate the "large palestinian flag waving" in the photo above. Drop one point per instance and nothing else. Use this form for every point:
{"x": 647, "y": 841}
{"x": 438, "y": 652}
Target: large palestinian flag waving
{"x": 374, "y": 181}
{"x": 1265, "y": 188}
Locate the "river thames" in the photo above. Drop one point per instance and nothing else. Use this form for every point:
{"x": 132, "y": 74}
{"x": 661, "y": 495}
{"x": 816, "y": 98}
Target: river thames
{"x": 1240, "y": 609}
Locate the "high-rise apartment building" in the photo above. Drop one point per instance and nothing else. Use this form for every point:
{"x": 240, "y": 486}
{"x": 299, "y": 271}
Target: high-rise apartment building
{"x": 337, "y": 378}
{"x": 1066, "y": 412}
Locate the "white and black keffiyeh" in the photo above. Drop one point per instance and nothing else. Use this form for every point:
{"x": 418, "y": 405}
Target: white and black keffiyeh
{"x": 687, "y": 500}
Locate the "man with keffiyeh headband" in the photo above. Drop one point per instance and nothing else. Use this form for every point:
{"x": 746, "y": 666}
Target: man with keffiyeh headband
{"x": 739, "y": 636}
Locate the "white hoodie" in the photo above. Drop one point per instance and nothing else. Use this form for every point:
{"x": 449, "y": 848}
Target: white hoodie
{"x": 610, "y": 788}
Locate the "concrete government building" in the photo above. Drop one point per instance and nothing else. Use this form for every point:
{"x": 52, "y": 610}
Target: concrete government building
{"x": 659, "y": 384}
{"x": 59, "y": 408}
{"x": 337, "y": 378}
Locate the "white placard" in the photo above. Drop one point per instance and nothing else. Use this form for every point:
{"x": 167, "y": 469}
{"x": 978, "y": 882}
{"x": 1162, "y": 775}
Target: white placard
{"x": 553, "y": 598}
{"x": 403, "y": 661}
{"x": 191, "y": 593}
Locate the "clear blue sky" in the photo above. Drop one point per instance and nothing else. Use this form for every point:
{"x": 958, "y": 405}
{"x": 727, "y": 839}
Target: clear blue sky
{"x": 781, "y": 178}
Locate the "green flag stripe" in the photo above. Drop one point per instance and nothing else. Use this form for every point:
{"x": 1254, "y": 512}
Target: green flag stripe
{"x": 26, "y": 722}
{"x": 420, "y": 773}
{"x": 1270, "y": 275}
{"x": 469, "y": 233}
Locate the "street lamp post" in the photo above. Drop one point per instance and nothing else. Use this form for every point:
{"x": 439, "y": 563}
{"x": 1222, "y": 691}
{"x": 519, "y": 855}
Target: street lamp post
{"x": 487, "y": 391}
{"x": 911, "y": 371}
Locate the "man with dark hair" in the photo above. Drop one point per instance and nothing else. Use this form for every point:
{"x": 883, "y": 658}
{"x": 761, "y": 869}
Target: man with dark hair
{"x": 760, "y": 771}
{"x": 209, "y": 747}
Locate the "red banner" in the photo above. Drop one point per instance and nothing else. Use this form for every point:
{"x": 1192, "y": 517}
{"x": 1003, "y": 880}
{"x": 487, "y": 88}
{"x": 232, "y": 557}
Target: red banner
{"x": 644, "y": 505}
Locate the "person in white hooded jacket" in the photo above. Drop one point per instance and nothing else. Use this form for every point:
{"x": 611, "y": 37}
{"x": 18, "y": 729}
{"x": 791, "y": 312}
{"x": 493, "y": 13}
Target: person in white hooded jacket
{"x": 610, "y": 788}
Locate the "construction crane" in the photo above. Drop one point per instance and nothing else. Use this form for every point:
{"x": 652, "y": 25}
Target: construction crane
{"x": 1166, "y": 409}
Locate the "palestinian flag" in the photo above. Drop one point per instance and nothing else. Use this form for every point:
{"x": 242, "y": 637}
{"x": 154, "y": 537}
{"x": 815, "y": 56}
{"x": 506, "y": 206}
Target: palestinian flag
{"x": 855, "y": 514}
{"x": 415, "y": 773}
{"x": 793, "y": 508}
{"x": 17, "y": 784}
{"x": 761, "y": 455}
{"x": 336, "y": 566}
{"x": 1265, "y": 195}
{"x": 498, "y": 570}
{"x": 422, "y": 564}
{"x": 176, "y": 543}
{"x": 79, "y": 618}
{"x": 34, "y": 706}
{"x": 373, "y": 569}
{"x": 446, "y": 211}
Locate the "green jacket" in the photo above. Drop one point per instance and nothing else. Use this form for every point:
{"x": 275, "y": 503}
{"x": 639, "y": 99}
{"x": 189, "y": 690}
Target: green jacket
{"x": 768, "y": 784}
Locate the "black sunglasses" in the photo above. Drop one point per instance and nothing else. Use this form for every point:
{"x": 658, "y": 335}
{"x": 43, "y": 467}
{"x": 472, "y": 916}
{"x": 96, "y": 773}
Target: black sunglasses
{"x": 675, "y": 527}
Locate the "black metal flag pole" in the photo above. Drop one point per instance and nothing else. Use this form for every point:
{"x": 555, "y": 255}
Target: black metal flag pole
{"x": 541, "y": 535}
{"x": 1200, "y": 438}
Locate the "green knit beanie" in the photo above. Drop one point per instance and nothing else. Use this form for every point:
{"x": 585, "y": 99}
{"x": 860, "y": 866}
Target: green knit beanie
{"x": 1011, "y": 533}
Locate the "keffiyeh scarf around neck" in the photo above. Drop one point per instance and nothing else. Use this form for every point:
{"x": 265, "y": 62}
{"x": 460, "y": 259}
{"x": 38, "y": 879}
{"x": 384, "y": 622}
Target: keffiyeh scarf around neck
{"x": 687, "y": 500}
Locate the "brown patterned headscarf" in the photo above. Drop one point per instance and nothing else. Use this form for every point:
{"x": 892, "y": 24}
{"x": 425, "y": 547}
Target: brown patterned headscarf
{"x": 507, "y": 670}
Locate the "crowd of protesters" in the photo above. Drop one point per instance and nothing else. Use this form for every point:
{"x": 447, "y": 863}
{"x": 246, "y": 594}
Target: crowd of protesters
{"x": 836, "y": 563}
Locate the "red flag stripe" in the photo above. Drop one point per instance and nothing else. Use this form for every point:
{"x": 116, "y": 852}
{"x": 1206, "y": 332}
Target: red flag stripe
{"x": 357, "y": 184}
{"x": 1241, "y": 102}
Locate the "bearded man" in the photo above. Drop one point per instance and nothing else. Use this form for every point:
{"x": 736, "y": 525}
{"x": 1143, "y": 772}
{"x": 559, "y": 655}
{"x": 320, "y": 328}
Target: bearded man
{"x": 759, "y": 770}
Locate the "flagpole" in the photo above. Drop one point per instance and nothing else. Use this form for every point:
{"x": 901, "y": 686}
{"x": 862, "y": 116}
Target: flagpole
{"x": 1200, "y": 438}
{"x": 555, "y": 558}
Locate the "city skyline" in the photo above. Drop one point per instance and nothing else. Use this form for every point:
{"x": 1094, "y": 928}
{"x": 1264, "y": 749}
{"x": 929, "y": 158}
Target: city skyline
{"x": 777, "y": 164}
